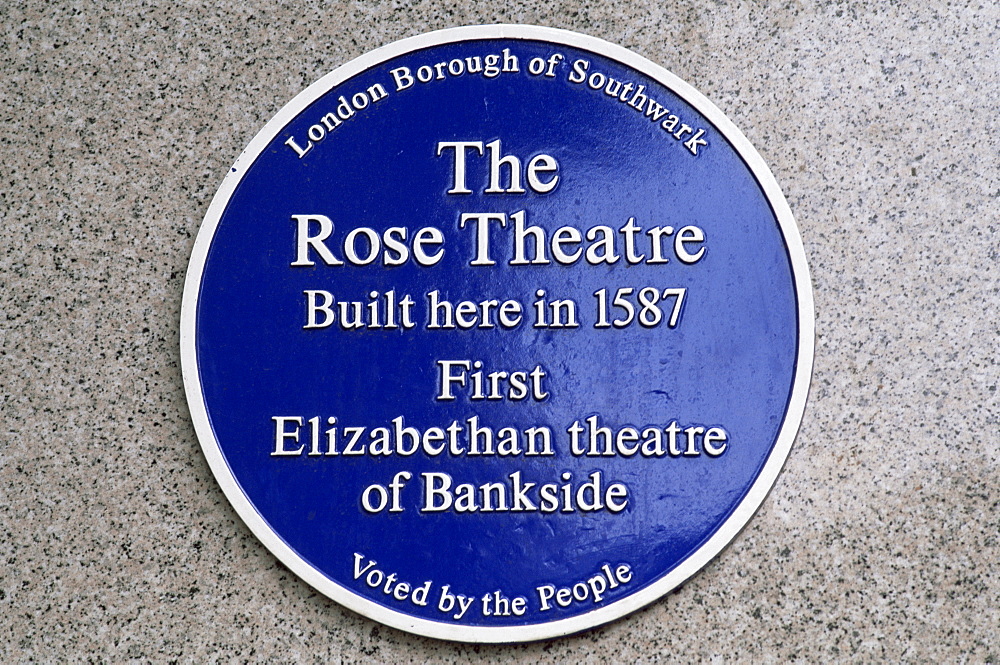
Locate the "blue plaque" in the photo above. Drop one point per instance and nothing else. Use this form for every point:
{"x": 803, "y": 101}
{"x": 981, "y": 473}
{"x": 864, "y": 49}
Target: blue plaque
{"x": 497, "y": 333}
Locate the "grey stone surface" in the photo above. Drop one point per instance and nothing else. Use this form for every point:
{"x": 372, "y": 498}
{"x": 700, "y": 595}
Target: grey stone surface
{"x": 880, "y": 122}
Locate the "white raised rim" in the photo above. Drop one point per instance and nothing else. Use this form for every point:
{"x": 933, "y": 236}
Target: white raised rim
{"x": 485, "y": 634}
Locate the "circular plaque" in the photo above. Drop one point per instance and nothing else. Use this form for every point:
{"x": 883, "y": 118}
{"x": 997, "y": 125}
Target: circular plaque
{"x": 497, "y": 333}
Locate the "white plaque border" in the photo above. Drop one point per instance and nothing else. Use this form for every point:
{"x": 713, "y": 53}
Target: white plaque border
{"x": 506, "y": 634}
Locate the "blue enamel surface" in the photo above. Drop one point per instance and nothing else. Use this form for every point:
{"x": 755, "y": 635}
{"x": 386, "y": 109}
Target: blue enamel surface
{"x": 729, "y": 363}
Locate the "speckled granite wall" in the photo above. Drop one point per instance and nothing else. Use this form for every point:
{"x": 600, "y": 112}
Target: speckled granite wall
{"x": 880, "y": 540}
